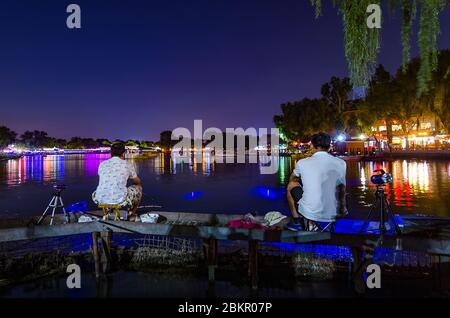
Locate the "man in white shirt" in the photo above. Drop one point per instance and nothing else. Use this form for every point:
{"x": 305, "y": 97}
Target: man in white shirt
{"x": 316, "y": 189}
{"x": 114, "y": 174}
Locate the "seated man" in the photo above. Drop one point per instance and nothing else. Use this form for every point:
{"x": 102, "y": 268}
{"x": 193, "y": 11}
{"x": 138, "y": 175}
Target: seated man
{"x": 112, "y": 188}
{"x": 317, "y": 187}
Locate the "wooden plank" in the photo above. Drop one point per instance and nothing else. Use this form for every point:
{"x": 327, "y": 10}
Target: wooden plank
{"x": 412, "y": 242}
{"x": 211, "y": 257}
{"x": 106, "y": 238}
{"x": 220, "y": 233}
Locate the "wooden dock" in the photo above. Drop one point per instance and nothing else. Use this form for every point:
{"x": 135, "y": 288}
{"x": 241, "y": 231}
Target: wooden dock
{"x": 430, "y": 236}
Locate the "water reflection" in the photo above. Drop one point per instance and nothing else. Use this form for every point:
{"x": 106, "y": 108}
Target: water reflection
{"x": 419, "y": 186}
{"x": 416, "y": 184}
{"x": 49, "y": 168}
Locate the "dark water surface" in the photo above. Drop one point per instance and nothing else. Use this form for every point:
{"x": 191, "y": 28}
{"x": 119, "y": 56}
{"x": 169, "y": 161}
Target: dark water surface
{"x": 420, "y": 186}
{"x": 194, "y": 287}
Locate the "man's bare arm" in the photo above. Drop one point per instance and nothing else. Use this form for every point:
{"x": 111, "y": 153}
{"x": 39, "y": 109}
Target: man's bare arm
{"x": 136, "y": 181}
{"x": 341, "y": 200}
{"x": 293, "y": 178}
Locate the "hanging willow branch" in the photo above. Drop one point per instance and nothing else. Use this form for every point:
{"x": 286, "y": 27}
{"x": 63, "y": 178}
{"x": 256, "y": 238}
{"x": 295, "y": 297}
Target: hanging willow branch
{"x": 408, "y": 14}
{"x": 429, "y": 29}
{"x": 362, "y": 44}
{"x": 318, "y": 5}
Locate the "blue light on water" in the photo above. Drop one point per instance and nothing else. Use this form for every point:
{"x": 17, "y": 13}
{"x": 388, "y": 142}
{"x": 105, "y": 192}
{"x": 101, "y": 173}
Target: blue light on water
{"x": 269, "y": 193}
{"x": 193, "y": 195}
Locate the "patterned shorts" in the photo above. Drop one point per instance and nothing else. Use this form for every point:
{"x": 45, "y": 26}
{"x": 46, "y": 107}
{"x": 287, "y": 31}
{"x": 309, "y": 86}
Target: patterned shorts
{"x": 134, "y": 196}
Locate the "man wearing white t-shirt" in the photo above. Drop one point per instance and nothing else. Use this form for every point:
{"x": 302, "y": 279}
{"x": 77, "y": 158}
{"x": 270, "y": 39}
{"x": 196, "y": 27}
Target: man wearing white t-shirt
{"x": 316, "y": 189}
{"x": 113, "y": 178}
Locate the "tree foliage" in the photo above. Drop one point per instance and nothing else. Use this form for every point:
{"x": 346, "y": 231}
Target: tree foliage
{"x": 362, "y": 44}
{"x": 389, "y": 99}
{"x": 303, "y": 118}
{"x": 7, "y": 136}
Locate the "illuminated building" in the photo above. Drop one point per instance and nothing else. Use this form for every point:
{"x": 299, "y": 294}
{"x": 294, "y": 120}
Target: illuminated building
{"x": 422, "y": 134}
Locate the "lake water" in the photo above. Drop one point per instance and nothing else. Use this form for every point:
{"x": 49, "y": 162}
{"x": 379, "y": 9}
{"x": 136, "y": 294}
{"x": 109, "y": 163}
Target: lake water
{"x": 420, "y": 186}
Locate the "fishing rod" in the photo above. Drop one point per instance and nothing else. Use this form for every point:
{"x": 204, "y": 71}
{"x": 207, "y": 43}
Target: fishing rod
{"x": 148, "y": 206}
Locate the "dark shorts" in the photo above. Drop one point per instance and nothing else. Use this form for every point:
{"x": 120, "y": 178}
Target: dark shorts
{"x": 297, "y": 194}
{"x": 309, "y": 225}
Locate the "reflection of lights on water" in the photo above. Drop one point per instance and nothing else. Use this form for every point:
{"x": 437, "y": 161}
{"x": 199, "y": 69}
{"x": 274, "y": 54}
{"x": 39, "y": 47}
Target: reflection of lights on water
{"x": 193, "y": 195}
{"x": 424, "y": 180}
{"x": 92, "y": 162}
{"x": 363, "y": 178}
{"x": 177, "y": 162}
{"x": 405, "y": 169}
{"x": 412, "y": 173}
{"x": 50, "y": 167}
{"x": 283, "y": 170}
{"x": 206, "y": 166}
{"x": 418, "y": 175}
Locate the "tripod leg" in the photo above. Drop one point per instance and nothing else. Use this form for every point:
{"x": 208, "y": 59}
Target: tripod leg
{"x": 366, "y": 221}
{"x": 392, "y": 216}
{"x": 45, "y": 212}
{"x": 382, "y": 213}
{"x": 54, "y": 206}
{"x": 64, "y": 210}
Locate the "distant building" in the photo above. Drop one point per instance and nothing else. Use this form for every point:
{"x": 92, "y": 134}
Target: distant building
{"x": 356, "y": 147}
{"x": 423, "y": 135}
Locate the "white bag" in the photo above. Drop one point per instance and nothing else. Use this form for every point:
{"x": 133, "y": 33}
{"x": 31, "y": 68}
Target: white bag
{"x": 149, "y": 217}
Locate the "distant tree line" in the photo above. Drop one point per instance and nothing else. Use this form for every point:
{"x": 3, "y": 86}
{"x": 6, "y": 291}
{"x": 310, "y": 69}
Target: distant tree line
{"x": 40, "y": 139}
{"x": 388, "y": 98}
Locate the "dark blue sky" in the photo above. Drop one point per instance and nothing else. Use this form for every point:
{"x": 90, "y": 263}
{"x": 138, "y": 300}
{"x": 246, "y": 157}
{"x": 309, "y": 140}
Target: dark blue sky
{"x": 139, "y": 67}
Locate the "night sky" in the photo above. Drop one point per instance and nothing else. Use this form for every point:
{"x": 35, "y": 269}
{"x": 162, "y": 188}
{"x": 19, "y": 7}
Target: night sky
{"x": 139, "y": 67}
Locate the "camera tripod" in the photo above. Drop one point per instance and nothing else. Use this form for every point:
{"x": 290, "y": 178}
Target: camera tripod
{"x": 55, "y": 203}
{"x": 384, "y": 206}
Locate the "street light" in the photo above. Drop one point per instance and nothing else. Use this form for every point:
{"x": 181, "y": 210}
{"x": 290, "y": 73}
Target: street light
{"x": 340, "y": 137}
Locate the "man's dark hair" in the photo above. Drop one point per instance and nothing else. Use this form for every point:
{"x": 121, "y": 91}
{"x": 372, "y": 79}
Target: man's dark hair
{"x": 321, "y": 140}
{"x": 117, "y": 149}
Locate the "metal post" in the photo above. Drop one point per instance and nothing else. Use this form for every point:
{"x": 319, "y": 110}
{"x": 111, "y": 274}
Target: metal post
{"x": 382, "y": 211}
{"x": 253, "y": 263}
{"x": 212, "y": 258}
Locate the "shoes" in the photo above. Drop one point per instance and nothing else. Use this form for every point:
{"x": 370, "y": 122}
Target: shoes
{"x": 133, "y": 218}
{"x": 294, "y": 227}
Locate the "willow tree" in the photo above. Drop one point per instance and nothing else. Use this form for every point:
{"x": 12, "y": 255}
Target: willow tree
{"x": 362, "y": 43}
{"x": 378, "y": 105}
{"x": 336, "y": 93}
{"x": 301, "y": 119}
{"x": 438, "y": 98}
